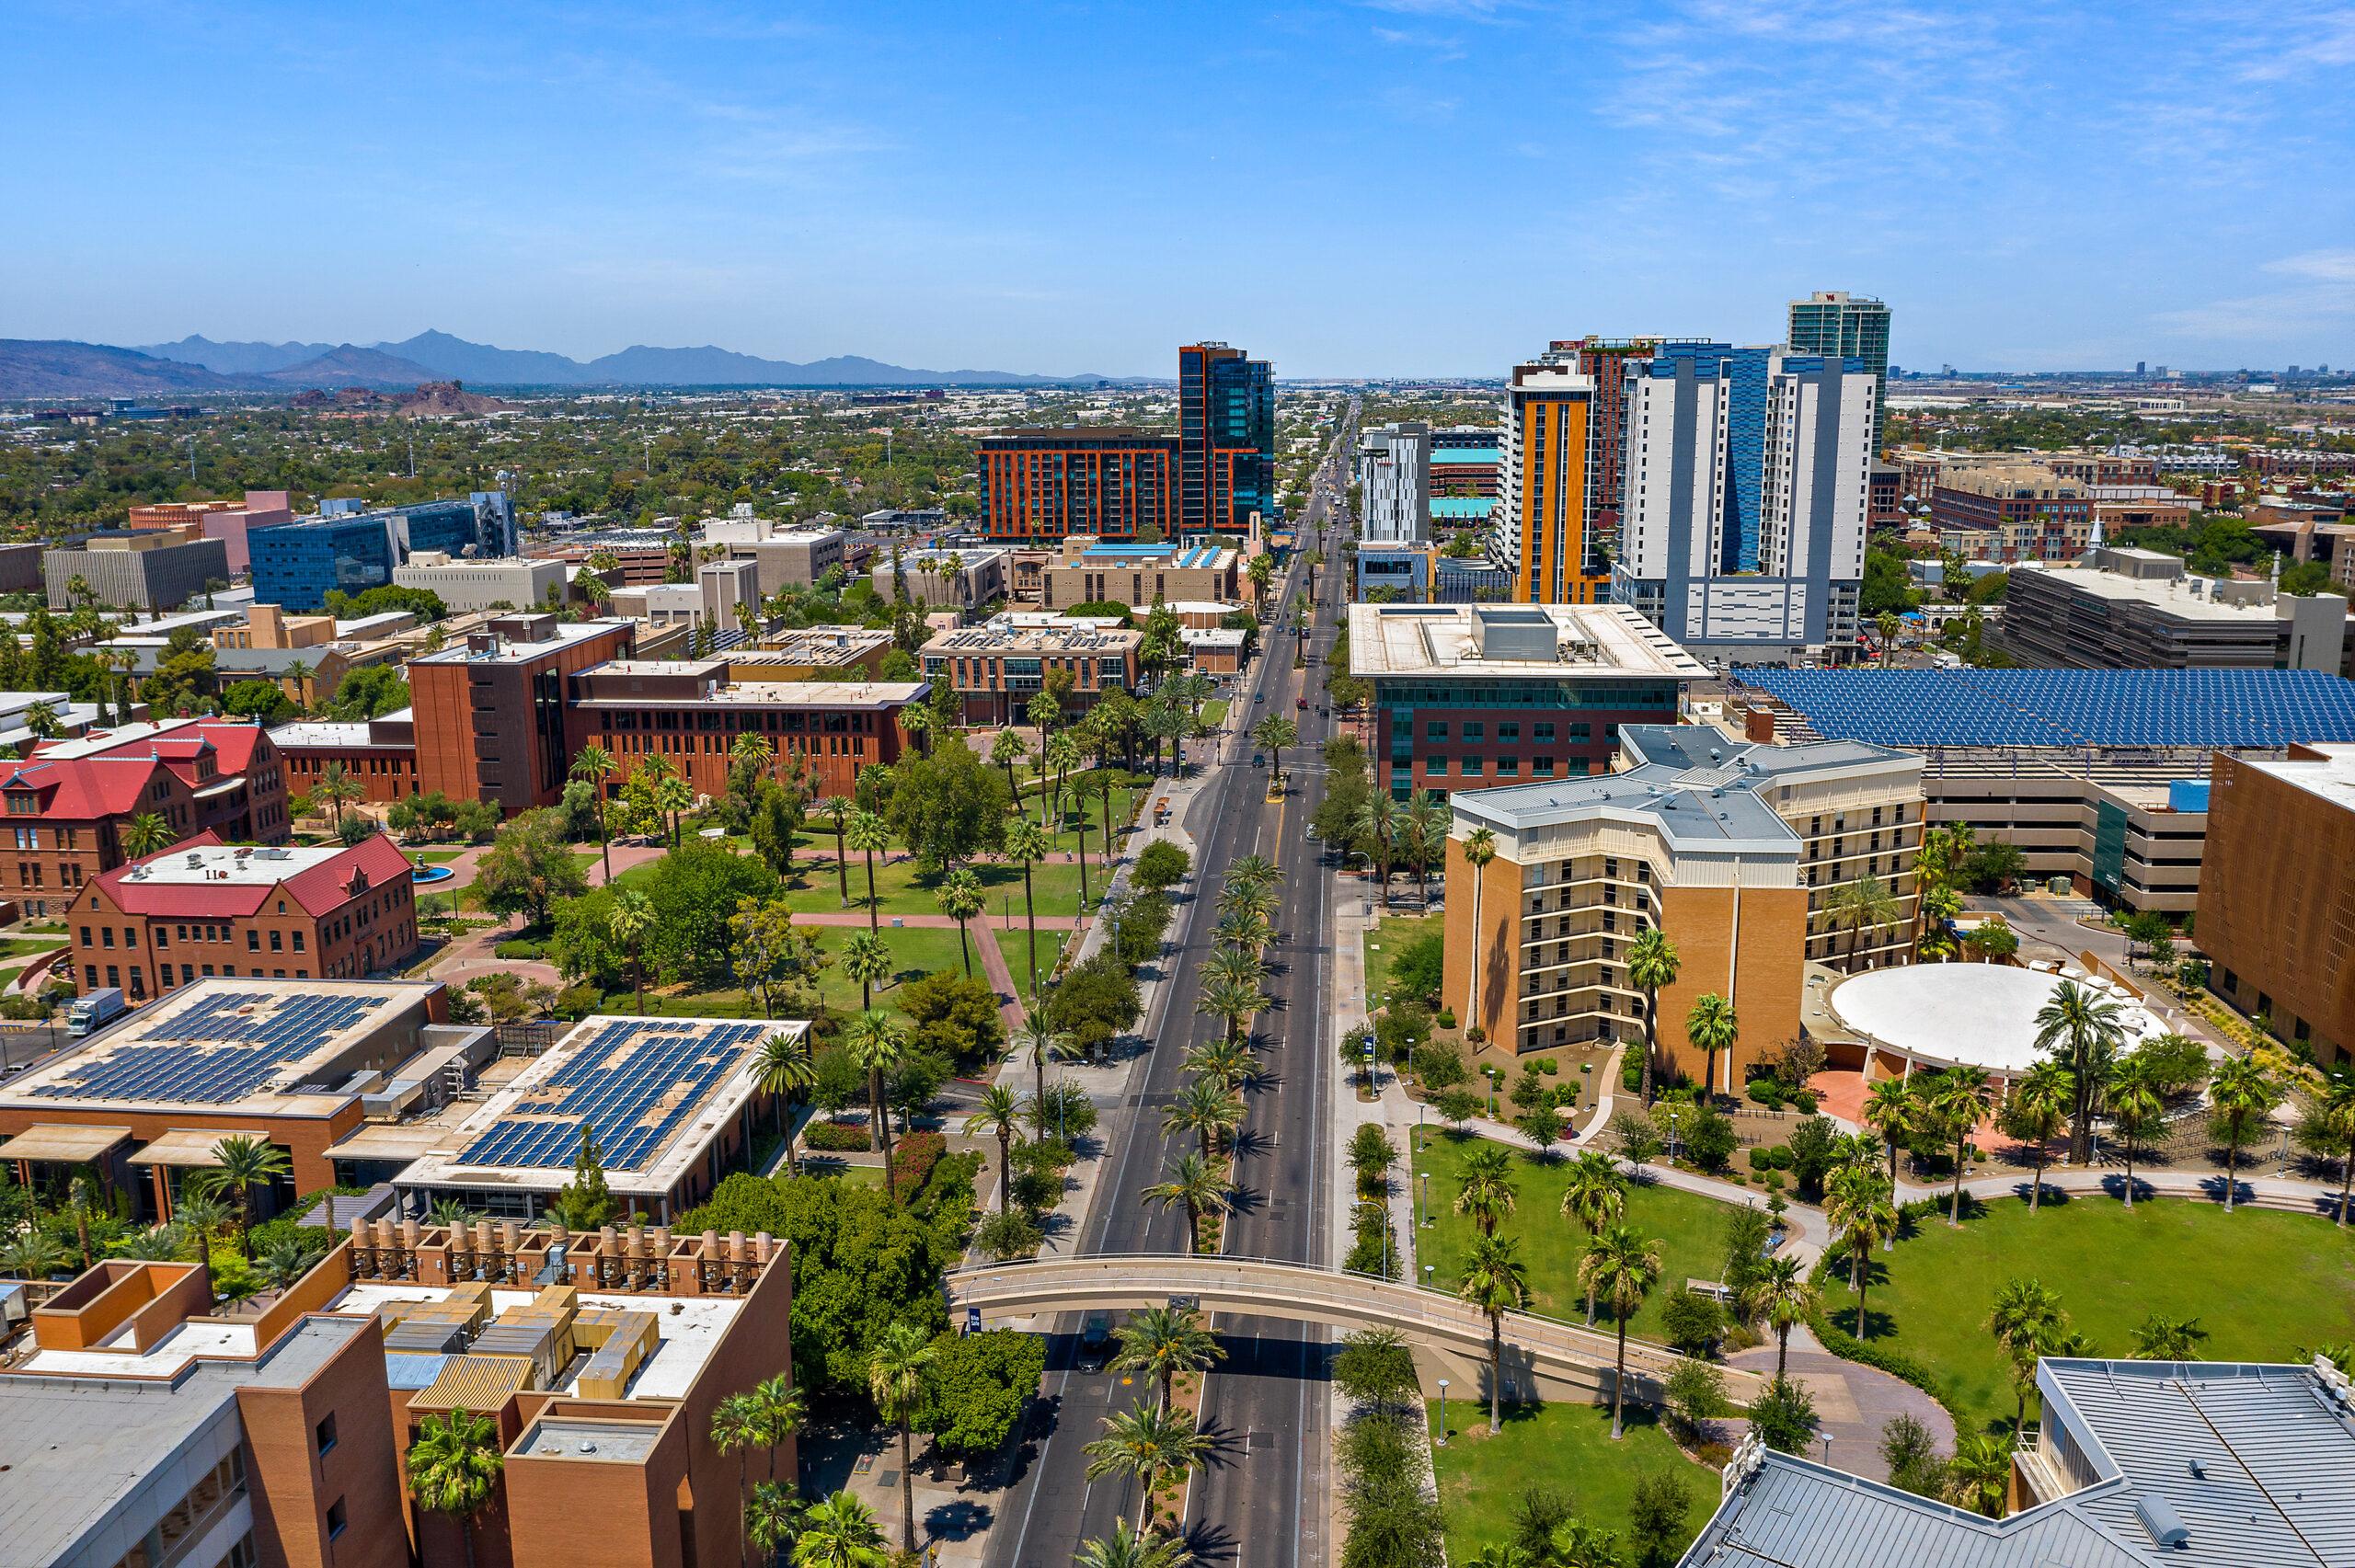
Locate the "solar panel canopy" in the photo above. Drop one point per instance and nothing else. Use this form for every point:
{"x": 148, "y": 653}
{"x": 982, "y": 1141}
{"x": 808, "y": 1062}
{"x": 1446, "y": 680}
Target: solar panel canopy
{"x": 221, "y": 1048}
{"x": 2228, "y": 709}
{"x": 633, "y": 1084}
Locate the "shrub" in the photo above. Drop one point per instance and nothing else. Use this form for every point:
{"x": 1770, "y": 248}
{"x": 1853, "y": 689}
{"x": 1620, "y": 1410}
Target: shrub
{"x": 1009, "y": 1235}
{"x": 1447, "y": 1018}
{"x": 1767, "y": 1093}
{"x": 1438, "y": 1065}
{"x": 1039, "y": 1191}
{"x": 1160, "y": 865}
{"x": 1709, "y": 1137}
{"x": 1690, "y": 1321}
{"x": 912, "y": 1158}
{"x": 1548, "y": 1066}
{"x": 834, "y": 1138}
{"x": 1806, "y": 1100}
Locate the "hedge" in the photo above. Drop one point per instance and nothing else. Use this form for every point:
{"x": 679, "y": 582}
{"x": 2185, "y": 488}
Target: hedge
{"x": 835, "y": 1138}
{"x": 913, "y": 1155}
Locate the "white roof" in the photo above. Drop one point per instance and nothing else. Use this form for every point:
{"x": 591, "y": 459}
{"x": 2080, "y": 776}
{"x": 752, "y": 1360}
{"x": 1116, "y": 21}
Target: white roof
{"x": 227, "y": 863}
{"x": 1979, "y": 1015}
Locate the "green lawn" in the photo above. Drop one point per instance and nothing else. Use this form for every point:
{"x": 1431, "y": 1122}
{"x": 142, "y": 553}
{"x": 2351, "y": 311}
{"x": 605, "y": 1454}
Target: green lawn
{"x": 1389, "y": 937}
{"x": 1016, "y": 945}
{"x": 1565, "y": 1447}
{"x": 2261, "y": 1282}
{"x": 899, "y": 890}
{"x": 1690, "y": 1228}
{"x": 435, "y": 857}
{"x": 918, "y": 950}
{"x": 1214, "y": 711}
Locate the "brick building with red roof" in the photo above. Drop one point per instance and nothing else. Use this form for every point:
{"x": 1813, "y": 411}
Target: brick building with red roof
{"x": 207, "y": 907}
{"x": 70, "y": 805}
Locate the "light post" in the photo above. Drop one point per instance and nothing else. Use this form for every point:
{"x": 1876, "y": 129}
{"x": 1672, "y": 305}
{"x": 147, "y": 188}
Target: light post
{"x": 1422, "y": 1132}
{"x": 1425, "y": 1177}
{"x": 1442, "y": 1412}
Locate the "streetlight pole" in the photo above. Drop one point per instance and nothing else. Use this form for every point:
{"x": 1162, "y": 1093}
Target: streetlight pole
{"x": 1425, "y": 1177}
{"x": 1442, "y": 1412}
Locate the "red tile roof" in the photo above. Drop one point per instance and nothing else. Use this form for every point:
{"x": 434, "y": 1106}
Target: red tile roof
{"x": 83, "y": 789}
{"x": 319, "y": 889}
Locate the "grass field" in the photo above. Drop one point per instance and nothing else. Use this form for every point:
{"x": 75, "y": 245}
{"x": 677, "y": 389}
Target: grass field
{"x": 1385, "y": 940}
{"x": 1016, "y": 945}
{"x": 1565, "y": 1447}
{"x": 917, "y": 951}
{"x": 1690, "y": 1228}
{"x": 899, "y": 890}
{"x": 2262, "y": 1282}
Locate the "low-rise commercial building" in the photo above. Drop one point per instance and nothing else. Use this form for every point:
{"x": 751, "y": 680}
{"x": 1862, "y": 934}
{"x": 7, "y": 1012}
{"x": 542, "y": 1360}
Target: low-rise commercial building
{"x": 795, "y": 557}
{"x": 228, "y": 521}
{"x": 489, "y": 713}
{"x": 1395, "y": 573}
{"x": 1089, "y": 571}
{"x": 2121, "y": 609}
{"x": 150, "y": 569}
{"x": 377, "y": 754}
{"x": 690, "y": 713}
{"x": 512, "y": 582}
{"x": 2012, "y": 513}
{"x": 997, "y": 669}
{"x": 962, "y": 578}
{"x": 1471, "y": 697}
{"x": 812, "y": 653}
{"x": 2275, "y": 917}
{"x": 203, "y": 908}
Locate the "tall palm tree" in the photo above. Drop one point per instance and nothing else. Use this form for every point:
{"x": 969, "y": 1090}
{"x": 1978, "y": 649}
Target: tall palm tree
{"x": 453, "y": 1468}
{"x": 875, "y": 1041}
{"x": 1484, "y": 1192}
{"x": 960, "y": 899}
{"x": 1427, "y": 819}
{"x": 1008, "y": 751}
{"x": 1164, "y": 1342}
{"x": 867, "y": 834}
{"x": 1156, "y": 1447}
{"x": 337, "y": 786}
{"x": 2038, "y": 1109}
{"x": 1228, "y": 1062}
{"x": 1194, "y": 1184}
{"x": 1028, "y": 842}
{"x": 784, "y": 1069}
{"x": 1496, "y": 1282}
{"x": 2136, "y": 1104}
{"x": 628, "y": 923}
{"x": 1079, "y": 835}
{"x": 147, "y": 833}
{"x": 916, "y": 719}
{"x": 838, "y": 812}
{"x": 1957, "y": 1100}
{"x": 1782, "y": 1297}
{"x": 2240, "y": 1093}
{"x": 778, "y": 1412}
{"x": 1858, "y": 1208}
{"x": 1376, "y": 825}
{"x": 1479, "y": 849}
{"x": 1593, "y": 1198}
{"x": 1253, "y": 871}
{"x": 2083, "y": 1031}
{"x": 1233, "y": 966}
{"x": 773, "y": 1517}
{"x": 1037, "y": 1037}
{"x": 999, "y": 1112}
{"x": 736, "y": 1429}
{"x": 1858, "y": 906}
{"x": 2025, "y": 1319}
{"x": 895, "y": 1375}
{"x": 1234, "y": 1005}
{"x": 593, "y": 765}
{"x": 1621, "y": 1266}
{"x": 1893, "y": 1109}
{"x": 1208, "y": 1109}
{"x": 867, "y": 958}
{"x": 1652, "y": 965}
{"x": 1125, "y": 1548}
{"x": 840, "y": 1532}
{"x": 1063, "y": 757}
{"x": 1710, "y": 1024}
{"x": 240, "y": 1165}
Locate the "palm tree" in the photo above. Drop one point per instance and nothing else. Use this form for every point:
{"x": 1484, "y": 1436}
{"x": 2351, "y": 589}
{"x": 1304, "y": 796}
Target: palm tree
{"x": 1856, "y": 906}
{"x": 778, "y": 1410}
{"x": 1893, "y": 1109}
{"x": 1063, "y": 756}
{"x": 1229, "y": 1062}
{"x": 2039, "y": 1108}
{"x": 773, "y": 1518}
{"x": 1595, "y": 1198}
{"x": 960, "y": 899}
{"x": 2240, "y": 1091}
{"x": 736, "y": 1429}
{"x": 2136, "y": 1104}
{"x": 1079, "y": 833}
{"x": 867, "y": 958}
{"x": 752, "y": 747}
{"x": 1958, "y": 1101}
{"x": 1235, "y": 1005}
{"x": 1980, "y": 1474}
{"x": 628, "y": 923}
{"x": 1044, "y": 1043}
{"x": 2083, "y": 1031}
{"x": 453, "y": 1468}
{"x": 1206, "y": 1109}
{"x": 867, "y": 834}
{"x": 1194, "y": 1184}
{"x": 895, "y": 1375}
{"x": 594, "y": 764}
{"x": 1621, "y": 1266}
{"x": 199, "y": 1216}
{"x": 1496, "y": 1282}
{"x": 840, "y": 1532}
{"x": 1233, "y": 966}
{"x": 1427, "y": 820}
{"x": 147, "y": 833}
{"x": 337, "y": 786}
{"x": 1376, "y": 825}
{"x": 1479, "y": 849}
{"x": 875, "y": 1040}
{"x": 1275, "y": 732}
{"x": 1164, "y": 1342}
{"x": 1007, "y": 751}
{"x": 784, "y": 1069}
{"x": 2025, "y": 1320}
{"x": 240, "y": 1165}
{"x": 998, "y": 1111}
{"x": 1485, "y": 1192}
{"x": 1858, "y": 1208}
{"x": 1710, "y": 1025}
{"x": 2162, "y": 1338}
{"x": 2328, "y": 1129}
{"x": 1783, "y": 1297}
{"x": 34, "y": 1255}
{"x": 1157, "y": 1447}
{"x": 838, "y": 812}
{"x": 1125, "y": 1548}
{"x": 1028, "y": 842}
{"x": 1652, "y": 964}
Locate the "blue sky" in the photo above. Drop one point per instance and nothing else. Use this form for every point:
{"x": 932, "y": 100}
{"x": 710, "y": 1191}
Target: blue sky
{"x": 1406, "y": 187}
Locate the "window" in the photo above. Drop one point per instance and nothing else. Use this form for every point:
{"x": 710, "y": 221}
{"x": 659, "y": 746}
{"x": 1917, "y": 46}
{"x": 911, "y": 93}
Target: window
{"x": 336, "y": 1518}
{"x": 1543, "y": 730}
{"x": 163, "y": 937}
{"x": 277, "y": 942}
{"x": 1507, "y": 731}
{"x": 253, "y": 941}
{"x": 1474, "y": 731}
{"x": 323, "y": 1435}
{"x": 1435, "y": 730}
{"x": 1508, "y": 767}
{"x": 1471, "y": 767}
{"x": 298, "y": 942}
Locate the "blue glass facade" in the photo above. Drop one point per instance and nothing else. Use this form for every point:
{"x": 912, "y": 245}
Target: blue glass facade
{"x": 296, "y": 564}
{"x": 1745, "y": 373}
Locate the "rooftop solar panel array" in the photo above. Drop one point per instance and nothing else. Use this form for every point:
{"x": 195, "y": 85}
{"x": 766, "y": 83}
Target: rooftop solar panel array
{"x": 2226, "y": 708}
{"x": 221, "y": 1048}
{"x": 633, "y": 1084}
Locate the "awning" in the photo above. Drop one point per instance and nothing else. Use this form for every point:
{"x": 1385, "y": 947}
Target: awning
{"x": 192, "y": 1145}
{"x": 68, "y": 1141}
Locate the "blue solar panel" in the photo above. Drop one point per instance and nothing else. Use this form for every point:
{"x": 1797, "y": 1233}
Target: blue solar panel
{"x": 220, "y": 1047}
{"x": 633, "y": 1084}
{"x": 2191, "y": 708}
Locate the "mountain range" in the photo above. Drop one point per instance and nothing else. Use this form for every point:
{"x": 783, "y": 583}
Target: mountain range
{"x": 61, "y": 369}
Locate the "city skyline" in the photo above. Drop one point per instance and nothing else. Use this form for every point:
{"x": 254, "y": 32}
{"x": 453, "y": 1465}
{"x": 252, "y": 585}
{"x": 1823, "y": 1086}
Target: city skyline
{"x": 2028, "y": 189}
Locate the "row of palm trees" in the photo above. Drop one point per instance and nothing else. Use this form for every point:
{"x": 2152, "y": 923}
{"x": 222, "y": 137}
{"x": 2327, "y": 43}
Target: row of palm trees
{"x": 1413, "y": 833}
{"x": 1156, "y": 1445}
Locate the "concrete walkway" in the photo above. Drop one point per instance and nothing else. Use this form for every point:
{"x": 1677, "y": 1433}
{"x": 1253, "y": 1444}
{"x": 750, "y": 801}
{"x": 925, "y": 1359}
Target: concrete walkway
{"x": 1852, "y": 1403}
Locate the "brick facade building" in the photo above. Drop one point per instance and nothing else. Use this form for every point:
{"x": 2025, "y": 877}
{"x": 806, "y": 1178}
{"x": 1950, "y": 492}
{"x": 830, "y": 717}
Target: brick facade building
{"x": 687, "y": 712}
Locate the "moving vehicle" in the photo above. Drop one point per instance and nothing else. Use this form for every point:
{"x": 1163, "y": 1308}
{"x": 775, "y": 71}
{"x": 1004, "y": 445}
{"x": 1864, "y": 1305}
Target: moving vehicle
{"x": 1096, "y": 1338}
{"x": 95, "y": 1010}
{"x": 1300, "y": 702}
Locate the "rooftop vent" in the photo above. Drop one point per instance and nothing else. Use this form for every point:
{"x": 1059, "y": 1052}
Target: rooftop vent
{"x": 2158, "y": 1515}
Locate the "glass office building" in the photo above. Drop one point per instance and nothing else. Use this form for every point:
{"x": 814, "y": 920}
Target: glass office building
{"x": 1838, "y": 324}
{"x": 1226, "y": 438}
{"x": 296, "y": 564}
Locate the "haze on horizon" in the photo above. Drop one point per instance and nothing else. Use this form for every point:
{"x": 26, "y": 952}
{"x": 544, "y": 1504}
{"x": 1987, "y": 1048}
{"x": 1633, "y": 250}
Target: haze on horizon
{"x": 1394, "y": 187}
